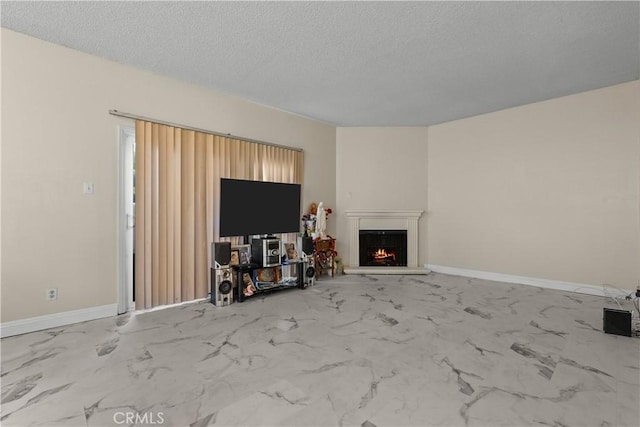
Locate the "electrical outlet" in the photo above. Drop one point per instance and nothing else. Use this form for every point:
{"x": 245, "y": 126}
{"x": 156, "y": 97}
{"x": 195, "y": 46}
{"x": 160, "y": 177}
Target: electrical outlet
{"x": 52, "y": 294}
{"x": 87, "y": 188}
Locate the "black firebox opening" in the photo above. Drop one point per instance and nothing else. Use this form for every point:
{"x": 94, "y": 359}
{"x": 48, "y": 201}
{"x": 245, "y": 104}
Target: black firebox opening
{"x": 383, "y": 248}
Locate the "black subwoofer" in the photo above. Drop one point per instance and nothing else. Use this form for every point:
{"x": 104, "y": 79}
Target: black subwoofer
{"x": 617, "y": 322}
{"x": 221, "y": 286}
{"x": 309, "y": 276}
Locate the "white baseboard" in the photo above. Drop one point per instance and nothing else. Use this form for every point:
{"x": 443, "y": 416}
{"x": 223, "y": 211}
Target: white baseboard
{"x": 385, "y": 270}
{"x": 603, "y": 291}
{"x": 23, "y": 326}
{"x": 164, "y": 307}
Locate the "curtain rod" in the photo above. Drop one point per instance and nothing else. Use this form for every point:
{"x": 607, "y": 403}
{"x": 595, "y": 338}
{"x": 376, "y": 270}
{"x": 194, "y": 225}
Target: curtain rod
{"x": 177, "y": 125}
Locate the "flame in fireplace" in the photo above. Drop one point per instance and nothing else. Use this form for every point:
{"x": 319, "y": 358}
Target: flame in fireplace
{"x": 383, "y": 254}
{"x": 380, "y": 253}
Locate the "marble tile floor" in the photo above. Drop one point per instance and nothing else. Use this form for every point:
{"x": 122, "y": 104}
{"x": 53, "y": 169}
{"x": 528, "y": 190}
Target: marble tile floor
{"x": 432, "y": 350}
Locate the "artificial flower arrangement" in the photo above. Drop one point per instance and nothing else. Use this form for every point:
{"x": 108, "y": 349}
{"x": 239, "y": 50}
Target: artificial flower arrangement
{"x": 309, "y": 218}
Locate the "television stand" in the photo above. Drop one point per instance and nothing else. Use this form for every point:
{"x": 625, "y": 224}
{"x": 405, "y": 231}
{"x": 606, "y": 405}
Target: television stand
{"x": 248, "y": 285}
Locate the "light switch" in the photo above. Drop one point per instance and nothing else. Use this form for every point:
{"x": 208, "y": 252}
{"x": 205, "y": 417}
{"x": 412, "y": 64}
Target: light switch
{"x": 87, "y": 188}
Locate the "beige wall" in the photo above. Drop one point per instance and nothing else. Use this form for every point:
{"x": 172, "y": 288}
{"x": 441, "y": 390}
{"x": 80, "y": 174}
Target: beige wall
{"x": 548, "y": 190}
{"x": 381, "y": 168}
{"x": 57, "y": 134}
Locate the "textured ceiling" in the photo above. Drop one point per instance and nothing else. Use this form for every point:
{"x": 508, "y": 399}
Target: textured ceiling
{"x": 358, "y": 63}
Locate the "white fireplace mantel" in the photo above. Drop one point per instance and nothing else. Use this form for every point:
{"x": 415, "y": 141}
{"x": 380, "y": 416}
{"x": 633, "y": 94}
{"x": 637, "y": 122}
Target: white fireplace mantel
{"x": 372, "y": 219}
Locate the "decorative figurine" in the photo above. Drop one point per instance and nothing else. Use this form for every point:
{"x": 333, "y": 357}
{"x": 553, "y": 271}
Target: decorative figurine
{"x": 321, "y": 221}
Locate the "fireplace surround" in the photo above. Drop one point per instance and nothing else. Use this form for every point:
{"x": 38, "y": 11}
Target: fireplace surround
{"x": 369, "y": 219}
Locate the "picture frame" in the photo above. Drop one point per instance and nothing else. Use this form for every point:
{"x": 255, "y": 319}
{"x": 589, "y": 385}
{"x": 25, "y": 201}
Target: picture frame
{"x": 235, "y": 257}
{"x": 291, "y": 252}
{"x": 244, "y": 253}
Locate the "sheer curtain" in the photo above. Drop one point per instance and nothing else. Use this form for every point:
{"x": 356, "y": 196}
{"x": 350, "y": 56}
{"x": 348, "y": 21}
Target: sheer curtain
{"x": 178, "y": 175}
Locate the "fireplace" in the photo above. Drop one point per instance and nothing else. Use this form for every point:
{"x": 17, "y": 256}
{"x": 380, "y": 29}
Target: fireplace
{"x": 383, "y": 248}
{"x": 372, "y": 221}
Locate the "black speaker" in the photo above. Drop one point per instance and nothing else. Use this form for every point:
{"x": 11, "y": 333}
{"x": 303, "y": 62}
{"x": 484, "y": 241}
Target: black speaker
{"x": 309, "y": 273}
{"x": 617, "y": 322}
{"x": 305, "y": 244}
{"x": 221, "y": 286}
{"x": 220, "y": 253}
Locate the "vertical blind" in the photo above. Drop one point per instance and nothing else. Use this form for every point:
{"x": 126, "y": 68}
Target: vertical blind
{"x": 177, "y": 188}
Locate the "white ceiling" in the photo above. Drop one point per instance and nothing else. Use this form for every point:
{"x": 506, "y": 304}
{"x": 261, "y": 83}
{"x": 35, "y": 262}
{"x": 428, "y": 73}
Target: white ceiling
{"x": 358, "y": 63}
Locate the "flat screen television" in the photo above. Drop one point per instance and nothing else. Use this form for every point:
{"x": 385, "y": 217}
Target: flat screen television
{"x": 249, "y": 208}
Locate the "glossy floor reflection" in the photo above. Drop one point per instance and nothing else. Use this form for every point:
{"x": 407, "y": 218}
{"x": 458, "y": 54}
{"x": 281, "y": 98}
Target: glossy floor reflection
{"x": 352, "y": 351}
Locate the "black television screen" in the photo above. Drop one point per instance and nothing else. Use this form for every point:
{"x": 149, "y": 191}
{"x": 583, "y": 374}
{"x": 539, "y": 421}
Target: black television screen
{"x": 250, "y": 208}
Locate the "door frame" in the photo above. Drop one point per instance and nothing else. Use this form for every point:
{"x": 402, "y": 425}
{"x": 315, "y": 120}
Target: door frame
{"x": 125, "y": 266}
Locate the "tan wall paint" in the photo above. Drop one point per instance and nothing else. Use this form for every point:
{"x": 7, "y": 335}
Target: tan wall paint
{"x": 57, "y": 133}
{"x": 381, "y": 168}
{"x": 548, "y": 190}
